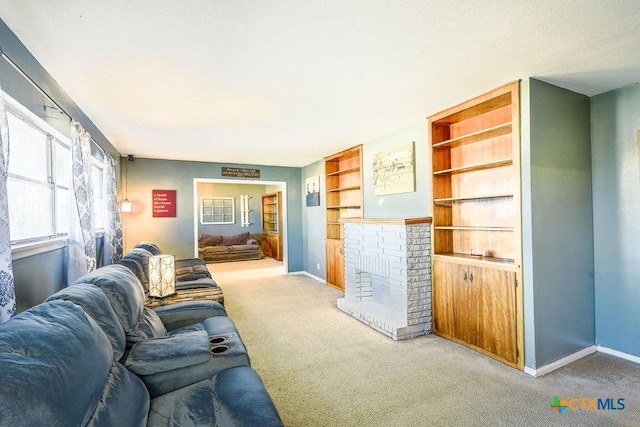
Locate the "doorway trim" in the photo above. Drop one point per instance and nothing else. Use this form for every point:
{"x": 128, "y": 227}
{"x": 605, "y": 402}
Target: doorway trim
{"x": 283, "y": 188}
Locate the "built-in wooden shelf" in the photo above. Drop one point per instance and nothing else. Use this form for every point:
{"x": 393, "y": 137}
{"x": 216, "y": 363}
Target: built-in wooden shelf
{"x": 489, "y": 165}
{"x": 343, "y": 190}
{"x": 447, "y": 201}
{"x": 352, "y": 187}
{"x": 344, "y": 171}
{"x": 475, "y": 160}
{"x": 474, "y": 137}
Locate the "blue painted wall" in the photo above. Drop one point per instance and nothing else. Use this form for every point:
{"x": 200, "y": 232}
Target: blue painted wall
{"x": 254, "y": 191}
{"x": 557, "y": 223}
{"x": 313, "y": 222}
{"x": 176, "y": 235}
{"x": 402, "y": 205}
{"x": 616, "y": 194}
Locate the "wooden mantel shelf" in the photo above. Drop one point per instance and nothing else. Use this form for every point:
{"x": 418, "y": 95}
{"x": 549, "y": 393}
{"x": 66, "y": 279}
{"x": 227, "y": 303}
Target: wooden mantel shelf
{"x": 395, "y": 221}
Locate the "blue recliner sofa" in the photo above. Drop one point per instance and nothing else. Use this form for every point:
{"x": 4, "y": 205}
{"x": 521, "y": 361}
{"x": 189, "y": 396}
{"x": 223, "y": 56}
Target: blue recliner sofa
{"x": 168, "y": 348}
{"x": 92, "y": 354}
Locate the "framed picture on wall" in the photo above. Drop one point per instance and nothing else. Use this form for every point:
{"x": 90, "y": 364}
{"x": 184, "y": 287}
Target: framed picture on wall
{"x": 313, "y": 191}
{"x": 393, "y": 171}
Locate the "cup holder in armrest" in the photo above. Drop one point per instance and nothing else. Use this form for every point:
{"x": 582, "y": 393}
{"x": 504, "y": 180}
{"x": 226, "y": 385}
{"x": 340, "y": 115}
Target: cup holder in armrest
{"x": 217, "y": 340}
{"x": 219, "y": 349}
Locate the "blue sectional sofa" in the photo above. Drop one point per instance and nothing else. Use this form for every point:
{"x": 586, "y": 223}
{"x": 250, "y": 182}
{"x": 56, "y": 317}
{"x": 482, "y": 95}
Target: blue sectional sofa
{"x": 93, "y": 355}
{"x": 191, "y": 273}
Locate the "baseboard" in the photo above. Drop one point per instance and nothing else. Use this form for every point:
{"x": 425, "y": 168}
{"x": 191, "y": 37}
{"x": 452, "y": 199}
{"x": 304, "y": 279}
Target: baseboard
{"x": 543, "y": 370}
{"x": 306, "y": 273}
{"x": 620, "y": 354}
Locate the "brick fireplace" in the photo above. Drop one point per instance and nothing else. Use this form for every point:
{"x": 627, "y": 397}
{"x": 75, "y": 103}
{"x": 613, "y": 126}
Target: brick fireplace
{"x": 387, "y": 275}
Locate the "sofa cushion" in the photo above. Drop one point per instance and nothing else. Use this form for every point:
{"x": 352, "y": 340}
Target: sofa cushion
{"x": 123, "y": 290}
{"x": 167, "y": 353}
{"x": 96, "y": 304}
{"x": 209, "y": 240}
{"x": 188, "y": 406}
{"x": 192, "y": 272}
{"x": 124, "y": 400}
{"x": 149, "y": 246}
{"x": 237, "y": 239}
{"x": 137, "y": 260}
{"x": 204, "y": 282}
{"x": 240, "y": 399}
{"x": 242, "y": 248}
{"x": 149, "y": 326}
{"x": 212, "y": 250}
{"x": 54, "y": 362}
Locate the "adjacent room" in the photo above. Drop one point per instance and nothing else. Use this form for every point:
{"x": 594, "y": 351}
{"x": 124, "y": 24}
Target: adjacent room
{"x": 319, "y": 213}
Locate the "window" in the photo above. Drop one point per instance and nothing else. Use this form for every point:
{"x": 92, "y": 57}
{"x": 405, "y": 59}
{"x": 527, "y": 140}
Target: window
{"x": 39, "y": 179}
{"x": 38, "y": 185}
{"x": 217, "y": 210}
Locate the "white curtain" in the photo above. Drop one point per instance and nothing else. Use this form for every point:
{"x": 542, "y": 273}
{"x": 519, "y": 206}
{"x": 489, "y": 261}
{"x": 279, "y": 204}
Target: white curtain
{"x": 7, "y": 289}
{"x": 82, "y": 235}
{"x": 113, "y": 227}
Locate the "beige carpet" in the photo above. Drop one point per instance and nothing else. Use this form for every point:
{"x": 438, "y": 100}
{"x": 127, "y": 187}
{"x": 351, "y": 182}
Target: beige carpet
{"x": 324, "y": 368}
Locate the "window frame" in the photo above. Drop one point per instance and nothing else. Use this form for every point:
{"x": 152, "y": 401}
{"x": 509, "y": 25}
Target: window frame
{"x": 26, "y": 247}
{"x": 217, "y": 202}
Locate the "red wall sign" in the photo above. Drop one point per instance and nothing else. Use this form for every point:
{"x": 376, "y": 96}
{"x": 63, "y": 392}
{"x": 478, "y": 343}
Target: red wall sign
{"x": 164, "y": 203}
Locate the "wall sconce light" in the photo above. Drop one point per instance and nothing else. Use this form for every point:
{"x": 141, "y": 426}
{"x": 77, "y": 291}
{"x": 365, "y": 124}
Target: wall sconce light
{"x": 162, "y": 277}
{"x": 126, "y": 206}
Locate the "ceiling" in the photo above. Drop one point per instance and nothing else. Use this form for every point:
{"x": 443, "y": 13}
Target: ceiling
{"x": 286, "y": 82}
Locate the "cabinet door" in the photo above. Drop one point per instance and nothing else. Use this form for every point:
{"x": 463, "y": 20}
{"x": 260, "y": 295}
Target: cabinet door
{"x": 275, "y": 246}
{"x": 446, "y": 278}
{"x": 496, "y": 330}
{"x": 335, "y": 263}
{"x": 267, "y": 245}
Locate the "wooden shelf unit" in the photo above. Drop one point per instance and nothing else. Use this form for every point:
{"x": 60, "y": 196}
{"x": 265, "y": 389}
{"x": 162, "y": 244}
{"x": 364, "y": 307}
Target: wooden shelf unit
{"x": 272, "y": 225}
{"x": 475, "y": 158}
{"x": 343, "y": 182}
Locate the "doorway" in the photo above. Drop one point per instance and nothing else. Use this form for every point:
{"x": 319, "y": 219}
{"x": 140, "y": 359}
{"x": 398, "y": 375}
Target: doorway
{"x": 255, "y": 214}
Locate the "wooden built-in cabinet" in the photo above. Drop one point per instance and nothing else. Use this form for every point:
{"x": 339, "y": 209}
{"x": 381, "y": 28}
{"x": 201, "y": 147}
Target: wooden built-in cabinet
{"x": 343, "y": 181}
{"x": 476, "y": 247}
{"x": 476, "y": 305}
{"x": 272, "y": 225}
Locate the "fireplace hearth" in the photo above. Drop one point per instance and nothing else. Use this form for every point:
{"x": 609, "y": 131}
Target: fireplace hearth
{"x": 388, "y": 275}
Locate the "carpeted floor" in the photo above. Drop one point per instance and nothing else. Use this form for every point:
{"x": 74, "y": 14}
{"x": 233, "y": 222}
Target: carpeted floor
{"x": 324, "y": 368}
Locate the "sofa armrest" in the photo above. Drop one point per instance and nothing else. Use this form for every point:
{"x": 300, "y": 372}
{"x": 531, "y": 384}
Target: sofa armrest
{"x": 164, "y": 354}
{"x": 188, "y": 262}
{"x": 186, "y": 313}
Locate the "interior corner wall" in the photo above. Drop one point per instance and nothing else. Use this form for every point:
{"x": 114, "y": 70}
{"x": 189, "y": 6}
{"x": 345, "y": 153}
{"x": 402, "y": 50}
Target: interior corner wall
{"x": 414, "y": 204}
{"x": 615, "y": 127}
{"x": 176, "y": 235}
{"x": 558, "y": 261}
{"x": 313, "y": 222}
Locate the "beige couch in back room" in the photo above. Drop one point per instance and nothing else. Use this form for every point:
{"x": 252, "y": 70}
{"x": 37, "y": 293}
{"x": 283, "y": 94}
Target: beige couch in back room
{"x": 217, "y": 248}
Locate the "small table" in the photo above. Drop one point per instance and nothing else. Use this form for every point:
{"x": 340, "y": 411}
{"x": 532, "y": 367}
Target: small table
{"x": 198, "y": 294}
